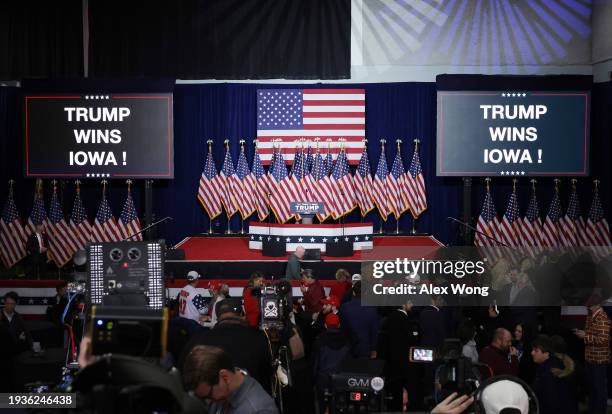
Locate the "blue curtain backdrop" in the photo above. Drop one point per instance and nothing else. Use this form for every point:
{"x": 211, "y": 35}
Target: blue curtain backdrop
{"x": 227, "y": 111}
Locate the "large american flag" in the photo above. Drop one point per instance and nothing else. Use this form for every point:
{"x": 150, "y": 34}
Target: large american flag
{"x": 261, "y": 187}
{"x": 343, "y": 187}
{"x": 79, "y": 222}
{"x": 105, "y": 227}
{"x": 291, "y": 114}
{"x": 129, "y": 224}
{"x": 488, "y": 223}
{"x": 363, "y": 184}
{"x": 597, "y": 228}
{"x": 379, "y": 187}
{"x": 229, "y": 184}
{"x": 246, "y": 186}
{"x": 12, "y": 235}
{"x": 62, "y": 240}
{"x": 279, "y": 185}
{"x": 531, "y": 227}
{"x": 510, "y": 225}
{"x": 417, "y": 197}
{"x": 209, "y": 189}
{"x": 550, "y": 228}
{"x": 397, "y": 186}
{"x": 572, "y": 225}
{"x": 321, "y": 187}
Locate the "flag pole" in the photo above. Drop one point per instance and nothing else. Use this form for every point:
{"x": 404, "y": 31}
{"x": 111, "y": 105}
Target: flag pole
{"x": 398, "y": 142}
{"x": 241, "y": 219}
{"x": 229, "y": 218}
{"x": 382, "y": 142}
{"x": 209, "y": 142}
{"x": 414, "y": 219}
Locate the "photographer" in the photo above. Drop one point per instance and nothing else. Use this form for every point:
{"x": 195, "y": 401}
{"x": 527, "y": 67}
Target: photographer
{"x": 211, "y": 375}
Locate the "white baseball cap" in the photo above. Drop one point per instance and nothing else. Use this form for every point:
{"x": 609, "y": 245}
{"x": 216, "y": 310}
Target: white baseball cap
{"x": 193, "y": 275}
{"x": 505, "y": 394}
{"x": 356, "y": 278}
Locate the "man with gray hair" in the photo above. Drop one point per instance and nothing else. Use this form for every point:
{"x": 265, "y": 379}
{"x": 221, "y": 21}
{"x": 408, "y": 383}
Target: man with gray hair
{"x": 294, "y": 269}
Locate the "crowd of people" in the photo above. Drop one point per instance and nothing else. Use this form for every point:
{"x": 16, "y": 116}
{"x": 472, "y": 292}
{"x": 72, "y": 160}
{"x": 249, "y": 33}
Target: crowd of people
{"x": 566, "y": 368}
{"x": 224, "y": 357}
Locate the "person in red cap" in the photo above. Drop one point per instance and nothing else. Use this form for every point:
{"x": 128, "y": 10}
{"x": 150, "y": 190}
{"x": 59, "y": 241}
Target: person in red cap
{"x": 218, "y": 291}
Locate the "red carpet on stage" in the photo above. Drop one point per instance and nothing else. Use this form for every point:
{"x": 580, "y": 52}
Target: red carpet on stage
{"x": 207, "y": 248}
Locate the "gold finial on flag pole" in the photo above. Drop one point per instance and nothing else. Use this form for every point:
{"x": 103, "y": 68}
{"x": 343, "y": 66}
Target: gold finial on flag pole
{"x": 557, "y": 182}
{"x": 573, "y": 181}
{"x": 488, "y": 184}
{"x": 533, "y": 183}
{"x": 129, "y": 184}
{"x": 596, "y": 182}
{"x": 514, "y": 181}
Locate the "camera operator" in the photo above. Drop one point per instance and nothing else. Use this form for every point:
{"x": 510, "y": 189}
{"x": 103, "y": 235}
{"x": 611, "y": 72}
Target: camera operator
{"x": 210, "y": 373}
{"x": 247, "y": 346}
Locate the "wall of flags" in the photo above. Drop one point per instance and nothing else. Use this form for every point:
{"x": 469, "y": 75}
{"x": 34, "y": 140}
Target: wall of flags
{"x": 221, "y": 110}
{"x": 557, "y": 229}
{"x": 312, "y": 177}
{"x": 66, "y": 233}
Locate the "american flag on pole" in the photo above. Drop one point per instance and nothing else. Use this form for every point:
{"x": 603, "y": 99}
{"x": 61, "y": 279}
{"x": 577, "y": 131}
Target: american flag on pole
{"x": 105, "y": 227}
{"x": 363, "y": 184}
{"x": 328, "y": 164}
{"x": 531, "y": 227}
{"x": 209, "y": 189}
{"x": 488, "y": 223}
{"x": 281, "y": 193}
{"x": 572, "y": 226}
{"x": 297, "y": 175}
{"x": 597, "y": 228}
{"x": 38, "y": 214}
{"x": 12, "y": 235}
{"x": 510, "y": 225}
{"x": 261, "y": 187}
{"x": 550, "y": 228}
{"x": 129, "y": 224}
{"x": 343, "y": 187}
{"x": 79, "y": 222}
{"x": 397, "y": 186}
{"x": 309, "y": 157}
{"x": 321, "y": 187}
{"x": 63, "y": 241}
{"x": 246, "y": 185}
{"x": 229, "y": 184}
{"x": 417, "y": 197}
{"x": 379, "y": 187}
{"x": 287, "y": 115}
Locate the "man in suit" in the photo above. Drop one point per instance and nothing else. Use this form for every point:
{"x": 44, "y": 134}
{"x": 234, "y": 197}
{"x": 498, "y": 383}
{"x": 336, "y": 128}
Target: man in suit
{"x": 37, "y": 246}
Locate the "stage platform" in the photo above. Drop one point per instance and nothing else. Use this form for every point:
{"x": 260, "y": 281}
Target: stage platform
{"x": 229, "y": 257}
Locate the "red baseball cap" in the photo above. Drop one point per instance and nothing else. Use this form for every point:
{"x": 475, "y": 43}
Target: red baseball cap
{"x": 331, "y": 300}
{"x": 214, "y": 285}
{"x": 332, "y": 320}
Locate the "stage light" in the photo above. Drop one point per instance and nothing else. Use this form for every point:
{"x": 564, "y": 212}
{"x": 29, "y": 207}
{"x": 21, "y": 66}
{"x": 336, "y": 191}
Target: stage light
{"x": 100, "y": 322}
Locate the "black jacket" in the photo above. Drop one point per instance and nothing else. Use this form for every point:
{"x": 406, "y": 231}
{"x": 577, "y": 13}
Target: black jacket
{"x": 12, "y": 342}
{"x": 400, "y": 332}
{"x": 246, "y": 345}
{"x": 432, "y": 327}
{"x": 330, "y": 349}
{"x": 554, "y": 387}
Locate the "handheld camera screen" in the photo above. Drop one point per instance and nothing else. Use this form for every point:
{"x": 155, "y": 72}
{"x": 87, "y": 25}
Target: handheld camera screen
{"x": 421, "y": 354}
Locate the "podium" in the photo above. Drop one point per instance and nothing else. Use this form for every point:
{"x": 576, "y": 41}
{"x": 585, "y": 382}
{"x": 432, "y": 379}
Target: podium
{"x": 310, "y": 236}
